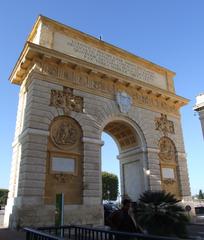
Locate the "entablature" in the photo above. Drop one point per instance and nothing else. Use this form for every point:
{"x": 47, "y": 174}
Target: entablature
{"x": 99, "y": 80}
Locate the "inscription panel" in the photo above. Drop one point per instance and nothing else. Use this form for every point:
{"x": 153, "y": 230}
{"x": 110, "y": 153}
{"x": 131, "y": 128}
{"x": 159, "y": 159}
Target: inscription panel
{"x": 60, "y": 164}
{"x": 168, "y": 173}
{"x": 96, "y": 56}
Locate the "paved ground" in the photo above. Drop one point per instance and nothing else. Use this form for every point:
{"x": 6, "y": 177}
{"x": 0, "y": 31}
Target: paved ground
{"x": 6, "y": 234}
{"x": 196, "y": 231}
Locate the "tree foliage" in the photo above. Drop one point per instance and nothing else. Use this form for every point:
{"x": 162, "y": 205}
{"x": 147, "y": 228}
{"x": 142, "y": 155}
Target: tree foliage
{"x": 109, "y": 186}
{"x": 200, "y": 194}
{"x": 3, "y": 196}
{"x": 160, "y": 213}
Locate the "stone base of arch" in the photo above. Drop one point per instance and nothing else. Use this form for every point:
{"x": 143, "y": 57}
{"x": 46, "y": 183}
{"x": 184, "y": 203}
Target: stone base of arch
{"x": 38, "y": 215}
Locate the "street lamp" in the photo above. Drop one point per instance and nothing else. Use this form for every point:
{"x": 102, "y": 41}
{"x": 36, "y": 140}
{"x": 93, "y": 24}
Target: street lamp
{"x": 108, "y": 192}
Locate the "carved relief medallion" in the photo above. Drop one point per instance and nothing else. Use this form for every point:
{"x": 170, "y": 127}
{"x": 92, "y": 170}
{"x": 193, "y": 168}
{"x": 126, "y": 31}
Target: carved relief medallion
{"x": 167, "y": 150}
{"x": 164, "y": 125}
{"x": 124, "y": 101}
{"x": 65, "y": 133}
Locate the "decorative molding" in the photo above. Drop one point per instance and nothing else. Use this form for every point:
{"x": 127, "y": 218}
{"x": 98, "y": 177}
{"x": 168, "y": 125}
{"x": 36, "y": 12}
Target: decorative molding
{"x": 33, "y": 131}
{"x": 152, "y": 150}
{"x": 181, "y": 154}
{"x": 131, "y": 152}
{"x": 87, "y": 82}
{"x": 164, "y": 125}
{"x": 92, "y": 140}
{"x": 66, "y": 100}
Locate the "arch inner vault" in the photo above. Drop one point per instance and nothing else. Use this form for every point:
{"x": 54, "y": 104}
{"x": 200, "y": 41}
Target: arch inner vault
{"x": 132, "y": 158}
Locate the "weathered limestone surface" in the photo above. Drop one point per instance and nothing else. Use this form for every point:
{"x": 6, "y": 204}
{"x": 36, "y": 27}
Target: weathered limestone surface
{"x": 146, "y": 94}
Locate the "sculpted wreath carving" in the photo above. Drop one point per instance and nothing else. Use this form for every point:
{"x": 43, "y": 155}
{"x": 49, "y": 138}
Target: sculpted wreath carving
{"x": 65, "y": 133}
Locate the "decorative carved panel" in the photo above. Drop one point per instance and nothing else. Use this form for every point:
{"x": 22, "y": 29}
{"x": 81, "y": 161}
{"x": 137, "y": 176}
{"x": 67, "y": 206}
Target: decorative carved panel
{"x": 168, "y": 165}
{"x": 51, "y": 69}
{"x": 167, "y": 150}
{"x": 169, "y": 181}
{"x": 64, "y": 166}
{"x": 164, "y": 125}
{"x": 63, "y": 178}
{"x": 65, "y": 133}
{"x": 66, "y": 100}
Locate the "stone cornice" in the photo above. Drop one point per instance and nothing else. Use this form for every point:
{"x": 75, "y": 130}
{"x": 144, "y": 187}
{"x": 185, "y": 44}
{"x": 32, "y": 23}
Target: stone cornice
{"x": 35, "y": 55}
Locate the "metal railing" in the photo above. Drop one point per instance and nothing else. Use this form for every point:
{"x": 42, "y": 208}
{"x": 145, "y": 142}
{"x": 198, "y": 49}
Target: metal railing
{"x": 74, "y": 232}
{"x": 33, "y": 234}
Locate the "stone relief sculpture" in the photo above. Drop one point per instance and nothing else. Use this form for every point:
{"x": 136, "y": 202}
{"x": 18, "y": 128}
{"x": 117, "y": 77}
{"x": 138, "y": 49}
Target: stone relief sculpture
{"x": 66, "y": 100}
{"x": 167, "y": 150}
{"x": 64, "y": 133}
{"x": 169, "y": 181}
{"x": 62, "y": 178}
{"x": 164, "y": 125}
{"x": 51, "y": 69}
{"x": 167, "y": 155}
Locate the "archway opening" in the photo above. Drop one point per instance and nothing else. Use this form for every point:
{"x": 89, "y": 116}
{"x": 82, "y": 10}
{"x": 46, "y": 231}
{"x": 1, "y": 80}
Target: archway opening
{"x": 109, "y": 155}
{"x": 127, "y": 160}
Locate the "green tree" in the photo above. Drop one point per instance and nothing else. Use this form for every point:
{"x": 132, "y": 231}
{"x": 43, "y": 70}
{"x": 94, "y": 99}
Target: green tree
{"x": 201, "y": 194}
{"x": 109, "y": 186}
{"x": 160, "y": 213}
{"x": 3, "y": 196}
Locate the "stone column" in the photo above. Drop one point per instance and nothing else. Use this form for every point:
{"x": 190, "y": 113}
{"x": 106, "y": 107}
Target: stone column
{"x": 29, "y": 158}
{"x": 154, "y": 169}
{"x": 16, "y": 155}
{"x": 92, "y": 180}
{"x": 183, "y": 176}
{"x": 28, "y": 191}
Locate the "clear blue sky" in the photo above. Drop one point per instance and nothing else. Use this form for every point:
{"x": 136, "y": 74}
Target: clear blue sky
{"x": 167, "y": 32}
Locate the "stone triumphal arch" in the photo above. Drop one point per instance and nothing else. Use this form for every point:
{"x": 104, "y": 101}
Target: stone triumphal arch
{"x": 72, "y": 88}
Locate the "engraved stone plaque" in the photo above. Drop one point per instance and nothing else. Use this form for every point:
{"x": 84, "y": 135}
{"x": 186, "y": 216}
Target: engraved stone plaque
{"x": 168, "y": 173}
{"x": 65, "y": 165}
{"x": 107, "y": 60}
